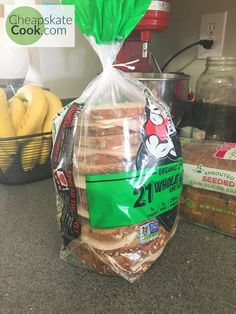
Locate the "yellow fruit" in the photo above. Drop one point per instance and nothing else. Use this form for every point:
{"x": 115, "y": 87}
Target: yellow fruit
{"x": 36, "y": 110}
{"x": 32, "y": 123}
{"x": 30, "y": 154}
{"x": 54, "y": 105}
{"x": 5, "y": 159}
{"x": 17, "y": 111}
{"x": 7, "y": 147}
{"x": 45, "y": 149}
{"x": 6, "y": 128}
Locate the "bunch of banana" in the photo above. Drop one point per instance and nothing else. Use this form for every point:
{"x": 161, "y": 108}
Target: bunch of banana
{"x": 30, "y": 111}
{"x": 7, "y": 151}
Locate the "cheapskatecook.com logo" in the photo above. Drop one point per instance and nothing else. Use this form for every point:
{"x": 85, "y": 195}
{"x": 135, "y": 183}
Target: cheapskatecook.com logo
{"x": 40, "y": 25}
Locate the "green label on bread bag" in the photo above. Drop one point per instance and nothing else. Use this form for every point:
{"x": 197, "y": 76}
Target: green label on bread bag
{"x": 123, "y": 199}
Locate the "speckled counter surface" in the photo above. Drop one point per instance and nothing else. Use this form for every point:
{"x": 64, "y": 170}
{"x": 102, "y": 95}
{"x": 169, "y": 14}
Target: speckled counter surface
{"x": 196, "y": 273}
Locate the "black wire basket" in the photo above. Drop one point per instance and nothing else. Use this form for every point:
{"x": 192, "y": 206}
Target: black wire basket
{"x": 25, "y": 159}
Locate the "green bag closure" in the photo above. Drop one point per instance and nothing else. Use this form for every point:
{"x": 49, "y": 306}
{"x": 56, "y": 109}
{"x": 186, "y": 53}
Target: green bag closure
{"x": 108, "y": 20}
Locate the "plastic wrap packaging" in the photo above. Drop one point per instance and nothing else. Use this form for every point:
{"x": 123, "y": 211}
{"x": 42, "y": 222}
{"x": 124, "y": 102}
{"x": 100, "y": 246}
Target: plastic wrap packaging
{"x": 209, "y": 194}
{"x": 117, "y": 166}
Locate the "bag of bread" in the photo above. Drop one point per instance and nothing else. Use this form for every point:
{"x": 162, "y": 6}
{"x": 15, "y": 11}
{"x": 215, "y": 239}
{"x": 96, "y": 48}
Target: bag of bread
{"x": 116, "y": 159}
{"x": 209, "y": 194}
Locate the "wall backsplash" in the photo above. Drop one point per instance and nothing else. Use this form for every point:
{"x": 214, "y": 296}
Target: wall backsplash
{"x": 184, "y": 29}
{"x": 67, "y": 71}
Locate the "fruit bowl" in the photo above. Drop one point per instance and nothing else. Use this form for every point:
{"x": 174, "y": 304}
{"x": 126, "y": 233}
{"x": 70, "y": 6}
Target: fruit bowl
{"x": 25, "y": 159}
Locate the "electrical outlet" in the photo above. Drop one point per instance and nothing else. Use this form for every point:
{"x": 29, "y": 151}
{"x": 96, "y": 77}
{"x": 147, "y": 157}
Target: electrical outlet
{"x": 212, "y": 27}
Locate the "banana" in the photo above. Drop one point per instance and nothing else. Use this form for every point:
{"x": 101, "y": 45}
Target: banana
{"x": 17, "y": 111}
{"x": 54, "y": 105}
{"x": 31, "y": 153}
{"x": 30, "y": 111}
{"x": 6, "y": 128}
{"x": 32, "y": 123}
{"x": 36, "y": 110}
{"x": 5, "y": 158}
{"x": 7, "y": 148}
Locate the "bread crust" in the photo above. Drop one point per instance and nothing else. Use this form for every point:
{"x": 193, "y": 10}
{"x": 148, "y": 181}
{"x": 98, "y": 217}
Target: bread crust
{"x": 112, "y": 141}
{"x": 203, "y": 153}
{"x": 118, "y": 111}
{"x": 212, "y": 209}
{"x": 209, "y": 208}
{"x": 130, "y": 262}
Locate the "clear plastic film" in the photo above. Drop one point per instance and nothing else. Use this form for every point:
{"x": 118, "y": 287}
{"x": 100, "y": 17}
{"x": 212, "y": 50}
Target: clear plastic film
{"x": 209, "y": 194}
{"x": 117, "y": 166}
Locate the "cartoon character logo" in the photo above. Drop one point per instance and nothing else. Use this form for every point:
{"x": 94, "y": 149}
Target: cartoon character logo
{"x": 159, "y": 135}
{"x": 160, "y": 146}
{"x": 158, "y": 128}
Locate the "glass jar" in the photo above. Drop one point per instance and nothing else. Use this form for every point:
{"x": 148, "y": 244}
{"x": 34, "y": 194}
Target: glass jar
{"x": 217, "y": 84}
{"x": 216, "y": 98}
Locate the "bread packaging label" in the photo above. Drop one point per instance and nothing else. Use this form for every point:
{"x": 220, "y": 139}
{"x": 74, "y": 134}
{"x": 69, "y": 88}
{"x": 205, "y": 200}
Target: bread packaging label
{"x": 226, "y": 151}
{"x": 211, "y": 179}
{"x": 149, "y": 231}
{"x": 127, "y": 198}
{"x": 63, "y": 134}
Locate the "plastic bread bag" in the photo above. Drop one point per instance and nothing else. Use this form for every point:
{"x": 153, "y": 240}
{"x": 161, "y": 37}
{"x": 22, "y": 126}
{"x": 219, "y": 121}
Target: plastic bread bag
{"x": 116, "y": 158}
{"x": 209, "y": 194}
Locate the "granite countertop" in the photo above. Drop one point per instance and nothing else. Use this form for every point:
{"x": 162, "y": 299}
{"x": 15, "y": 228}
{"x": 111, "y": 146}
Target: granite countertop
{"x": 195, "y": 274}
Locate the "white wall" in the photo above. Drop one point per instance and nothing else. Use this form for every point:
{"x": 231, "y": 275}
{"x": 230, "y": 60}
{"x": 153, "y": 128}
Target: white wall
{"x": 184, "y": 29}
{"x": 67, "y": 71}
